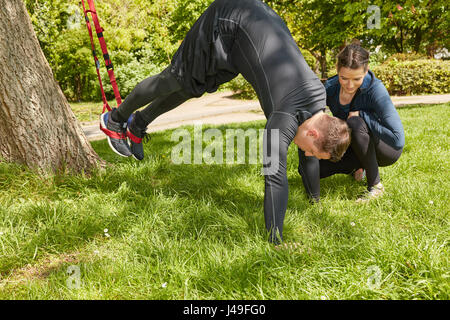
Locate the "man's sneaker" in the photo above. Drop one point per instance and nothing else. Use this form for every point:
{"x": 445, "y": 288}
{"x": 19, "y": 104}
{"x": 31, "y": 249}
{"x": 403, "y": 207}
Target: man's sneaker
{"x": 136, "y": 135}
{"x": 374, "y": 192}
{"x": 116, "y": 134}
{"x": 359, "y": 174}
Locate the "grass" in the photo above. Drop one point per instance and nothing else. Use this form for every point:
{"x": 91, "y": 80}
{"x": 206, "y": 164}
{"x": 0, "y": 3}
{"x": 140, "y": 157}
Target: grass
{"x": 197, "y": 231}
{"x": 89, "y": 111}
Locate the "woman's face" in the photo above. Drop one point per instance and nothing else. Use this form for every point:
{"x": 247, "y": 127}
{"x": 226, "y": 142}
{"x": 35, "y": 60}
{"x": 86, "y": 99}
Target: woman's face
{"x": 351, "y": 79}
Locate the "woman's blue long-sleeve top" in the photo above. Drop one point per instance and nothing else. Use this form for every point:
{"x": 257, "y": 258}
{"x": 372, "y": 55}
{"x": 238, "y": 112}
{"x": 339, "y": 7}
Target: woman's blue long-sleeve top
{"x": 374, "y": 105}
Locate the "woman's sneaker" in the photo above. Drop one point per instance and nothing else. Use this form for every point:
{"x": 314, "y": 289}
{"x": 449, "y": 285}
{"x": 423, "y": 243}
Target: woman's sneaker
{"x": 116, "y": 134}
{"x": 136, "y": 135}
{"x": 374, "y": 192}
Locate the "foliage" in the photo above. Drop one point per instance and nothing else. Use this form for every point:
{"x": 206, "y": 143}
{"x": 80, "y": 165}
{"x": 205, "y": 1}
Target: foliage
{"x": 143, "y": 35}
{"x": 321, "y": 27}
{"x": 411, "y": 25}
{"x": 406, "y": 57}
{"x": 184, "y": 16}
{"x": 129, "y": 27}
{"x": 241, "y": 87}
{"x": 73, "y": 66}
{"x": 130, "y": 70}
{"x": 422, "y": 76}
{"x": 402, "y": 74}
{"x": 49, "y": 18}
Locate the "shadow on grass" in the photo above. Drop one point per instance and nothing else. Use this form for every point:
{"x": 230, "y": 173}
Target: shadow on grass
{"x": 227, "y": 190}
{"x": 221, "y": 203}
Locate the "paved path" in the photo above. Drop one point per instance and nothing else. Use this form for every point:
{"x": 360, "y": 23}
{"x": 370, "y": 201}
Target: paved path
{"x": 430, "y": 99}
{"x": 220, "y": 108}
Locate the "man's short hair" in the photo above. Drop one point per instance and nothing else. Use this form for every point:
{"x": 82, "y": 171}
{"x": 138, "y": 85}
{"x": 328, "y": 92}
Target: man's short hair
{"x": 335, "y": 137}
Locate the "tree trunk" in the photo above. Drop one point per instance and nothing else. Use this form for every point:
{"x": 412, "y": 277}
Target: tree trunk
{"x": 432, "y": 49}
{"x": 317, "y": 63}
{"x": 38, "y": 128}
{"x": 394, "y": 42}
{"x": 417, "y": 40}
{"x": 323, "y": 64}
{"x": 401, "y": 40}
{"x": 321, "y": 60}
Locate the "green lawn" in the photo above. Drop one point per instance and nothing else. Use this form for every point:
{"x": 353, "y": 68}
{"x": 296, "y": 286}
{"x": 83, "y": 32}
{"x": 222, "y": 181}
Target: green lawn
{"x": 197, "y": 231}
{"x": 89, "y": 111}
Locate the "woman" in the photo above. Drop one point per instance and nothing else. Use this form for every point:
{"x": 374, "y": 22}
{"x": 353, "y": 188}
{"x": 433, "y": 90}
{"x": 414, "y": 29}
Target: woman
{"x": 357, "y": 96}
{"x": 247, "y": 37}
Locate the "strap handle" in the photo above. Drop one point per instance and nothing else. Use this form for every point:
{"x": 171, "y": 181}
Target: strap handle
{"x": 108, "y": 62}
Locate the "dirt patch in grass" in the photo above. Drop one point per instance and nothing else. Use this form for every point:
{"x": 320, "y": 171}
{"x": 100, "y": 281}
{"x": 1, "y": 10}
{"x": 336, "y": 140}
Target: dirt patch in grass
{"x": 42, "y": 269}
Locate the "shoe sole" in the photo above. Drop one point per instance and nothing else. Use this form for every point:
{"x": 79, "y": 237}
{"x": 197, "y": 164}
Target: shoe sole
{"x": 137, "y": 158}
{"x": 129, "y": 141}
{"x": 102, "y": 123}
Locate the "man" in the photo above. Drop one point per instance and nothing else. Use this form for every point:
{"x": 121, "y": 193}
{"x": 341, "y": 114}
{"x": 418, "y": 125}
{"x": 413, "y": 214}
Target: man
{"x": 247, "y": 37}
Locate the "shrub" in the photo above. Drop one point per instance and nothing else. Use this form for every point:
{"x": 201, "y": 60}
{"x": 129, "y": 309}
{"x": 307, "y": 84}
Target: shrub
{"x": 406, "y": 57}
{"x": 241, "y": 87}
{"x": 73, "y": 66}
{"x": 399, "y": 74}
{"x": 244, "y": 90}
{"x": 129, "y": 71}
{"x": 423, "y": 76}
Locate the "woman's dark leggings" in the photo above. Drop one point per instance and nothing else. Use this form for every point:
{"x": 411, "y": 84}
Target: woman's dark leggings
{"x": 366, "y": 151}
{"x": 162, "y": 90}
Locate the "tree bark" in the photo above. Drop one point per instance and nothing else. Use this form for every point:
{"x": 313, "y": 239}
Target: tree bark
{"x": 323, "y": 64}
{"x": 394, "y": 42}
{"x": 321, "y": 60}
{"x": 417, "y": 40}
{"x": 401, "y": 40}
{"x": 38, "y": 127}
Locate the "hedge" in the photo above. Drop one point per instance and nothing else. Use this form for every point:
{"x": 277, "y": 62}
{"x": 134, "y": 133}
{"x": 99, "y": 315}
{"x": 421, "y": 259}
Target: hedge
{"x": 426, "y": 76}
{"x": 418, "y": 77}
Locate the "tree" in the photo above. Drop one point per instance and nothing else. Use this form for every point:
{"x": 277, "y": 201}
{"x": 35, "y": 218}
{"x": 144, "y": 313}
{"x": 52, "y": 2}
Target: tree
{"x": 38, "y": 127}
{"x": 324, "y": 26}
{"x": 137, "y": 33}
{"x": 184, "y": 17}
{"x": 321, "y": 27}
{"x": 411, "y": 25}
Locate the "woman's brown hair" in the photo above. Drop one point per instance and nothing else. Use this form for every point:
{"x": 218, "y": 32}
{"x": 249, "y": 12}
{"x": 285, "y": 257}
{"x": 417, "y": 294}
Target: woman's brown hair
{"x": 353, "y": 56}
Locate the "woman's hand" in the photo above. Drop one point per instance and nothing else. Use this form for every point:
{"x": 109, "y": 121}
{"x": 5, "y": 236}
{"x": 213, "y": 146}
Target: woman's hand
{"x": 353, "y": 114}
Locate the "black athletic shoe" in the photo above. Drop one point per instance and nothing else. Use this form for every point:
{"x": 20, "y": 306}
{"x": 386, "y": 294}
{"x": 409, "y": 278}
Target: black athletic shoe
{"x": 135, "y": 136}
{"x": 116, "y": 134}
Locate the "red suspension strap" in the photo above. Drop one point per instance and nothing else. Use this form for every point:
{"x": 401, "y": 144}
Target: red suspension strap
{"x": 108, "y": 62}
